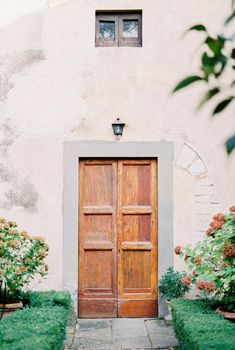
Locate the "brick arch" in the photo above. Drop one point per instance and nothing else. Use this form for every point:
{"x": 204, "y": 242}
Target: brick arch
{"x": 204, "y": 202}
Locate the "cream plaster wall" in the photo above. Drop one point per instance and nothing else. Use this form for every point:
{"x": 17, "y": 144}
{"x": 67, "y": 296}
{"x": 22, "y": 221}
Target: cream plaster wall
{"x": 57, "y": 86}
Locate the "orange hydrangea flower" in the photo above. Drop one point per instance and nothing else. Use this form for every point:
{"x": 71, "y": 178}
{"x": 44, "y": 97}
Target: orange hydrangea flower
{"x": 209, "y": 231}
{"x": 197, "y": 260}
{"x": 216, "y": 224}
{"x": 229, "y": 250}
{"x": 20, "y": 269}
{"x": 177, "y": 249}
{"x": 41, "y": 254}
{"x": 186, "y": 280}
{"x": 219, "y": 217}
{"x": 38, "y": 238}
{"x": 232, "y": 208}
{"x": 14, "y": 243}
{"x": 25, "y": 234}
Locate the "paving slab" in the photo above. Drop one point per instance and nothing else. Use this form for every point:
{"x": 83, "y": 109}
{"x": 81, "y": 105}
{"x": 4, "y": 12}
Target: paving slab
{"x": 163, "y": 341}
{"x": 131, "y": 333}
{"x": 128, "y": 323}
{"x": 88, "y": 343}
{"x": 154, "y": 325}
{"x": 132, "y": 342}
{"x": 92, "y": 324}
{"x": 102, "y": 333}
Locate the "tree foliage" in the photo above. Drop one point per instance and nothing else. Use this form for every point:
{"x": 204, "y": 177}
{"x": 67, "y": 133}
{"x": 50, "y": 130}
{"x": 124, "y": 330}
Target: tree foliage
{"x": 217, "y": 59}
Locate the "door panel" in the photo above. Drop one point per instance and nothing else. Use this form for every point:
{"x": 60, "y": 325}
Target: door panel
{"x": 118, "y": 238}
{"x": 137, "y": 238}
{"x": 137, "y": 271}
{"x": 97, "y": 239}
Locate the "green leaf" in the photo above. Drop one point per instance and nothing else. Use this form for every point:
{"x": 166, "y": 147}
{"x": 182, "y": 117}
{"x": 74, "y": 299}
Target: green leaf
{"x": 187, "y": 81}
{"x": 220, "y": 65}
{"x": 209, "y": 94}
{"x": 230, "y": 144}
{"x": 208, "y": 64}
{"x": 198, "y": 27}
{"x": 233, "y": 53}
{"x": 216, "y": 45}
{"x": 222, "y": 105}
{"x": 211, "y": 62}
{"x": 230, "y": 18}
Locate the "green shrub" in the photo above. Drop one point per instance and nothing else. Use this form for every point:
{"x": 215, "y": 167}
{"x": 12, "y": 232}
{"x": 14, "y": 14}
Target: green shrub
{"x": 51, "y": 298}
{"x": 39, "y": 326}
{"x": 171, "y": 284}
{"x": 198, "y": 327}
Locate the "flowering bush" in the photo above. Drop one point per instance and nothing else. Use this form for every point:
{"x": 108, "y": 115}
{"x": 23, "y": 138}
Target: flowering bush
{"x": 211, "y": 262}
{"x": 21, "y": 258}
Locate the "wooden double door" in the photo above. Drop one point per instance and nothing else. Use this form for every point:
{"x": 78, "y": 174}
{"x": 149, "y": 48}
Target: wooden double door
{"x": 117, "y": 238}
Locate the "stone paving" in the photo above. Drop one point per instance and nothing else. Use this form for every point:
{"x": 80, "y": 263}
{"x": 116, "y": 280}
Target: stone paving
{"x": 119, "y": 333}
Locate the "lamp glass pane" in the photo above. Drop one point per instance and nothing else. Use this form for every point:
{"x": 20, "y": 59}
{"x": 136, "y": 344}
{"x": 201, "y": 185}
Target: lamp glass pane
{"x": 118, "y": 129}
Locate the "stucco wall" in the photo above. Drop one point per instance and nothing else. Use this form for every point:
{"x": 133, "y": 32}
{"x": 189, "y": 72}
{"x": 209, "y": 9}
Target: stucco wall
{"x": 57, "y": 86}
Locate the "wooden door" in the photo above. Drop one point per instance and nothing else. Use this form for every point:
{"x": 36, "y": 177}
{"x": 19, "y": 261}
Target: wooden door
{"x": 137, "y": 238}
{"x": 118, "y": 238}
{"x": 97, "y": 239}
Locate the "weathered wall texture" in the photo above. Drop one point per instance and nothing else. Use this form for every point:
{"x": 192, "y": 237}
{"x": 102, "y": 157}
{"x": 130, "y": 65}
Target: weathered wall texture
{"x": 55, "y": 86}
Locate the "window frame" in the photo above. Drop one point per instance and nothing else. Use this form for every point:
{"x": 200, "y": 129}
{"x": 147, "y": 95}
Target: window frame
{"x": 118, "y": 17}
{"x": 136, "y": 42}
{"x": 111, "y": 18}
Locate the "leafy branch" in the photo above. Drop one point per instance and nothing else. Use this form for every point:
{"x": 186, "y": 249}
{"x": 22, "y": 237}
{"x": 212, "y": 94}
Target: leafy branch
{"x": 218, "y": 56}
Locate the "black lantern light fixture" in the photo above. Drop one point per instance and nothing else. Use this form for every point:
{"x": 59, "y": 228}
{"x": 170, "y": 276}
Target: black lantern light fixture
{"x": 118, "y": 127}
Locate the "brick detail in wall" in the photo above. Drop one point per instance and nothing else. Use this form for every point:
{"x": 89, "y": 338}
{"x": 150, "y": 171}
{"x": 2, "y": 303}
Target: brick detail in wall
{"x": 205, "y": 204}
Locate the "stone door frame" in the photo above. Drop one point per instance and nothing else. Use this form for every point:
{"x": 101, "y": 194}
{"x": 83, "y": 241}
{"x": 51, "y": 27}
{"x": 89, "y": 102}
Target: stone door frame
{"x": 163, "y": 151}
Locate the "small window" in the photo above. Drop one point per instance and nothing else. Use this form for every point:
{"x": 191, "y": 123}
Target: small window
{"x": 118, "y": 29}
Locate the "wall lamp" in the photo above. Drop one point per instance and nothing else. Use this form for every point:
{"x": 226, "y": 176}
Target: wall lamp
{"x": 118, "y": 127}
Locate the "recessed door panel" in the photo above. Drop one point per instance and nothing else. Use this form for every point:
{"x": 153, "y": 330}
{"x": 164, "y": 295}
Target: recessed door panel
{"x": 136, "y": 271}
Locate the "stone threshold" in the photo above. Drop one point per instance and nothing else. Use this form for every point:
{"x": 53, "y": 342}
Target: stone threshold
{"x": 119, "y": 333}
